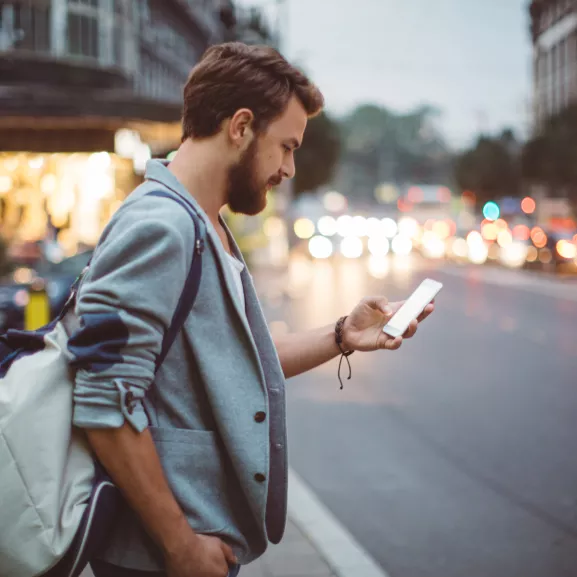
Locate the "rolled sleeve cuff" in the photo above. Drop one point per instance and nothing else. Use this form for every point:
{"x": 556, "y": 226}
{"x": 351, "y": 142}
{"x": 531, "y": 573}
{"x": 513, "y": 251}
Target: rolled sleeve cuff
{"x": 109, "y": 407}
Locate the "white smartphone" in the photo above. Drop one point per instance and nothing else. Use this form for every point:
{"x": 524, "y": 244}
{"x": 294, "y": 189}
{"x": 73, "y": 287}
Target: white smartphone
{"x": 412, "y": 308}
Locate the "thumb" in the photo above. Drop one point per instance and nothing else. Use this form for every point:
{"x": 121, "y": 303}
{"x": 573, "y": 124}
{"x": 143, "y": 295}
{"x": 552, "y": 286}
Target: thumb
{"x": 379, "y": 303}
{"x": 229, "y": 555}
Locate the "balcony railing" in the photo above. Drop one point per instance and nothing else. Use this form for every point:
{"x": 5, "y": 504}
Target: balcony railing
{"x": 89, "y": 31}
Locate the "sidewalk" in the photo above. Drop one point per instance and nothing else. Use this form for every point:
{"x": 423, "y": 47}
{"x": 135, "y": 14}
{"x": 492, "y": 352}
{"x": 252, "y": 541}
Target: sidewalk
{"x": 294, "y": 557}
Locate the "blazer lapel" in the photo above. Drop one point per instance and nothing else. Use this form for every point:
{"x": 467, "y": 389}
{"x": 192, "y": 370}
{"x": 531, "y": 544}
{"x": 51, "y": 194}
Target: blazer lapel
{"x": 167, "y": 179}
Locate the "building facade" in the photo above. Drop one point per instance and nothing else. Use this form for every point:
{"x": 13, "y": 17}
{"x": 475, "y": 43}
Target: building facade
{"x": 554, "y": 33}
{"x": 89, "y": 90}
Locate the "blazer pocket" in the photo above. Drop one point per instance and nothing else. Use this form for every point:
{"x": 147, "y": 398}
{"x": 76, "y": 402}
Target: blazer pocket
{"x": 194, "y": 463}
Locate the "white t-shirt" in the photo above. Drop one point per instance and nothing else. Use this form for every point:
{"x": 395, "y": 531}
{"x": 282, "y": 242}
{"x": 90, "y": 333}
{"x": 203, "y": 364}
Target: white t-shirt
{"x": 237, "y": 267}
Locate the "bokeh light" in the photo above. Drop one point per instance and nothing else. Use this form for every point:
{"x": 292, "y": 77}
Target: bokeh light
{"x": 304, "y": 228}
{"x": 491, "y": 211}
{"x": 320, "y": 247}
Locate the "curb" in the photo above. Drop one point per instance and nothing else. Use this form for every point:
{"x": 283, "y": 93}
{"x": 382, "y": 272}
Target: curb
{"x": 340, "y": 550}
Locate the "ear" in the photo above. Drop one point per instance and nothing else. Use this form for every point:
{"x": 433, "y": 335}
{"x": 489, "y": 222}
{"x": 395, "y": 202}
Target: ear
{"x": 240, "y": 128}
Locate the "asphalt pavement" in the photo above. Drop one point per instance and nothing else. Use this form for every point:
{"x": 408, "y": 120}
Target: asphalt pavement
{"x": 454, "y": 456}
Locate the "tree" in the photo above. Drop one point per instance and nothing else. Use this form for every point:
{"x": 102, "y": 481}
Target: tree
{"x": 490, "y": 169}
{"x": 550, "y": 158}
{"x": 380, "y": 146}
{"x": 318, "y": 156}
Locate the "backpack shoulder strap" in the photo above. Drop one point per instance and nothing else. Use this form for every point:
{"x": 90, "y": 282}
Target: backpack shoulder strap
{"x": 192, "y": 283}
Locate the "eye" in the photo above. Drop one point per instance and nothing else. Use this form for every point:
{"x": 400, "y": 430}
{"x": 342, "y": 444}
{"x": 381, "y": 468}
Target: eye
{"x": 287, "y": 148}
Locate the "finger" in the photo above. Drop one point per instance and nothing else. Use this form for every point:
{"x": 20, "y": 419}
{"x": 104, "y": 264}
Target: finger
{"x": 428, "y": 310}
{"x": 379, "y": 303}
{"x": 228, "y": 553}
{"x": 393, "y": 344}
{"x": 410, "y": 332}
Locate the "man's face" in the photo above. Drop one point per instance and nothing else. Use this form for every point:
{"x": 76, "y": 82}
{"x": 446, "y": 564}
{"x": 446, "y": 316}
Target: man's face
{"x": 267, "y": 161}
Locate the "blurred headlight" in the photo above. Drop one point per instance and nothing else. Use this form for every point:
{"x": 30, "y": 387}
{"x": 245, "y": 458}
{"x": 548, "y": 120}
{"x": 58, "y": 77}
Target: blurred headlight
{"x": 320, "y": 247}
{"x": 478, "y": 253}
{"x": 566, "y": 249}
{"x": 379, "y": 246}
{"x": 514, "y": 254}
{"x": 477, "y": 249}
{"x": 433, "y": 246}
{"x": 442, "y": 229}
{"x": 460, "y": 248}
{"x": 389, "y": 227}
{"x": 402, "y": 245}
{"x": 504, "y": 238}
{"x": 327, "y": 226}
{"x": 304, "y": 228}
{"x": 360, "y": 228}
{"x": 374, "y": 227}
{"x": 378, "y": 267}
{"x": 345, "y": 225}
{"x": 352, "y": 247}
{"x": 408, "y": 227}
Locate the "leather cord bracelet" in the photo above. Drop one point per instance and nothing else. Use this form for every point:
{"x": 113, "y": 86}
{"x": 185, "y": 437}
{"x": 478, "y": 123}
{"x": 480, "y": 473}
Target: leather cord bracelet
{"x": 344, "y": 354}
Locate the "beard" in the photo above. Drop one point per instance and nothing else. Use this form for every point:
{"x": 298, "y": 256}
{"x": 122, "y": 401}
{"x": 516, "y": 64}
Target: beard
{"x": 245, "y": 194}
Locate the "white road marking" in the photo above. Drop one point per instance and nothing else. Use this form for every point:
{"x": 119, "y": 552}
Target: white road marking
{"x": 330, "y": 538}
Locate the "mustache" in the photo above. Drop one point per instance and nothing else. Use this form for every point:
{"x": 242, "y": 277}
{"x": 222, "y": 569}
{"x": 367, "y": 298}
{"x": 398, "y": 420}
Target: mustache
{"x": 275, "y": 180}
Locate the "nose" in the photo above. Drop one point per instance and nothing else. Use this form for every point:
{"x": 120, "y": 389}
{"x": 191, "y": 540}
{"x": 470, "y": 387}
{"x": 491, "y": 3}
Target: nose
{"x": 288, "y": 168}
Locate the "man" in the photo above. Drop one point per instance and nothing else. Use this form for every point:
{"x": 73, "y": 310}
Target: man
{"x": 200, "y": 456}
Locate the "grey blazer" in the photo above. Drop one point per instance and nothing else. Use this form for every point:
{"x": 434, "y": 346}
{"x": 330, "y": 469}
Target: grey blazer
{"x": 217, "y": 405}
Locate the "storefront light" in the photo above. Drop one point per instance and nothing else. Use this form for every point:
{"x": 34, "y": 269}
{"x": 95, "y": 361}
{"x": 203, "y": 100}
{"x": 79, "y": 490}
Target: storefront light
{"x": 48, "y": 184}
{"x": 5, "y": 184}
{"x": 99, "y": 160}
{"x": 11, "y": 164}
{"x": 126, "y": 143}
{"x": 36, "y": 163}
{"x": 142, "y": 155}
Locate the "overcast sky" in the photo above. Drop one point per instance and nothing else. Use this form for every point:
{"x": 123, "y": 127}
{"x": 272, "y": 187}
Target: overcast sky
{"x": 471, "y": 58}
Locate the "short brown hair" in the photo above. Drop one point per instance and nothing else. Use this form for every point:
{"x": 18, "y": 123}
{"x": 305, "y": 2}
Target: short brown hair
{"x": 232, "y": 76}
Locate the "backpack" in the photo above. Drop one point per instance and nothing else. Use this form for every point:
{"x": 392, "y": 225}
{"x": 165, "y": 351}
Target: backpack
{"x": 57, "y": 503}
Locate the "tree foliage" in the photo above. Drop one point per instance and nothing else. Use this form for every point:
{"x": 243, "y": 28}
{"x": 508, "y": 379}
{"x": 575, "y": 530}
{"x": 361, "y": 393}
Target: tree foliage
{"x": 550, "y": 158}
{"x": 380, "y": 146}
{"x": 490, "y": 169}
{"x": 318, "y": 156}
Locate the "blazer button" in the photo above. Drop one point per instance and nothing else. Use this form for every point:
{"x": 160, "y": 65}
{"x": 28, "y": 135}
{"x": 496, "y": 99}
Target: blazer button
{"x": 260, "y": 417}
{"x": 259, "y": 478}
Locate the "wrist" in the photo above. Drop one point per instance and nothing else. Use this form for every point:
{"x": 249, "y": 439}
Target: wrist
{"x": 180, "y": 542}
{"x": 341, "y": 336}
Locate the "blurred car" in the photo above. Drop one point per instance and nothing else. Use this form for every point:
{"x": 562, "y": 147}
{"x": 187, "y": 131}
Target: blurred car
{"x": 563, "y": 252}
{"x": 56, "y": 278}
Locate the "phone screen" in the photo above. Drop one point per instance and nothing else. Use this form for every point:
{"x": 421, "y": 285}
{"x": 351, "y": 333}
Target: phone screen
{"x": 414, "y": 305}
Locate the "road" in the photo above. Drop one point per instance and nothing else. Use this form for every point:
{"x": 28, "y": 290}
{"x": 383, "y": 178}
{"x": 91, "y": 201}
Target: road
{"x": 454, "y": 456}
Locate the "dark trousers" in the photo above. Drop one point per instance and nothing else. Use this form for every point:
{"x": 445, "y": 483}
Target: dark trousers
{"x": 101, "y": 569}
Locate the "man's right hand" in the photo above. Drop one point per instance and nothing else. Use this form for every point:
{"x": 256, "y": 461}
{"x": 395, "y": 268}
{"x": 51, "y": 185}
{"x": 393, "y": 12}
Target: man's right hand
{"x": 205, "y": 556}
